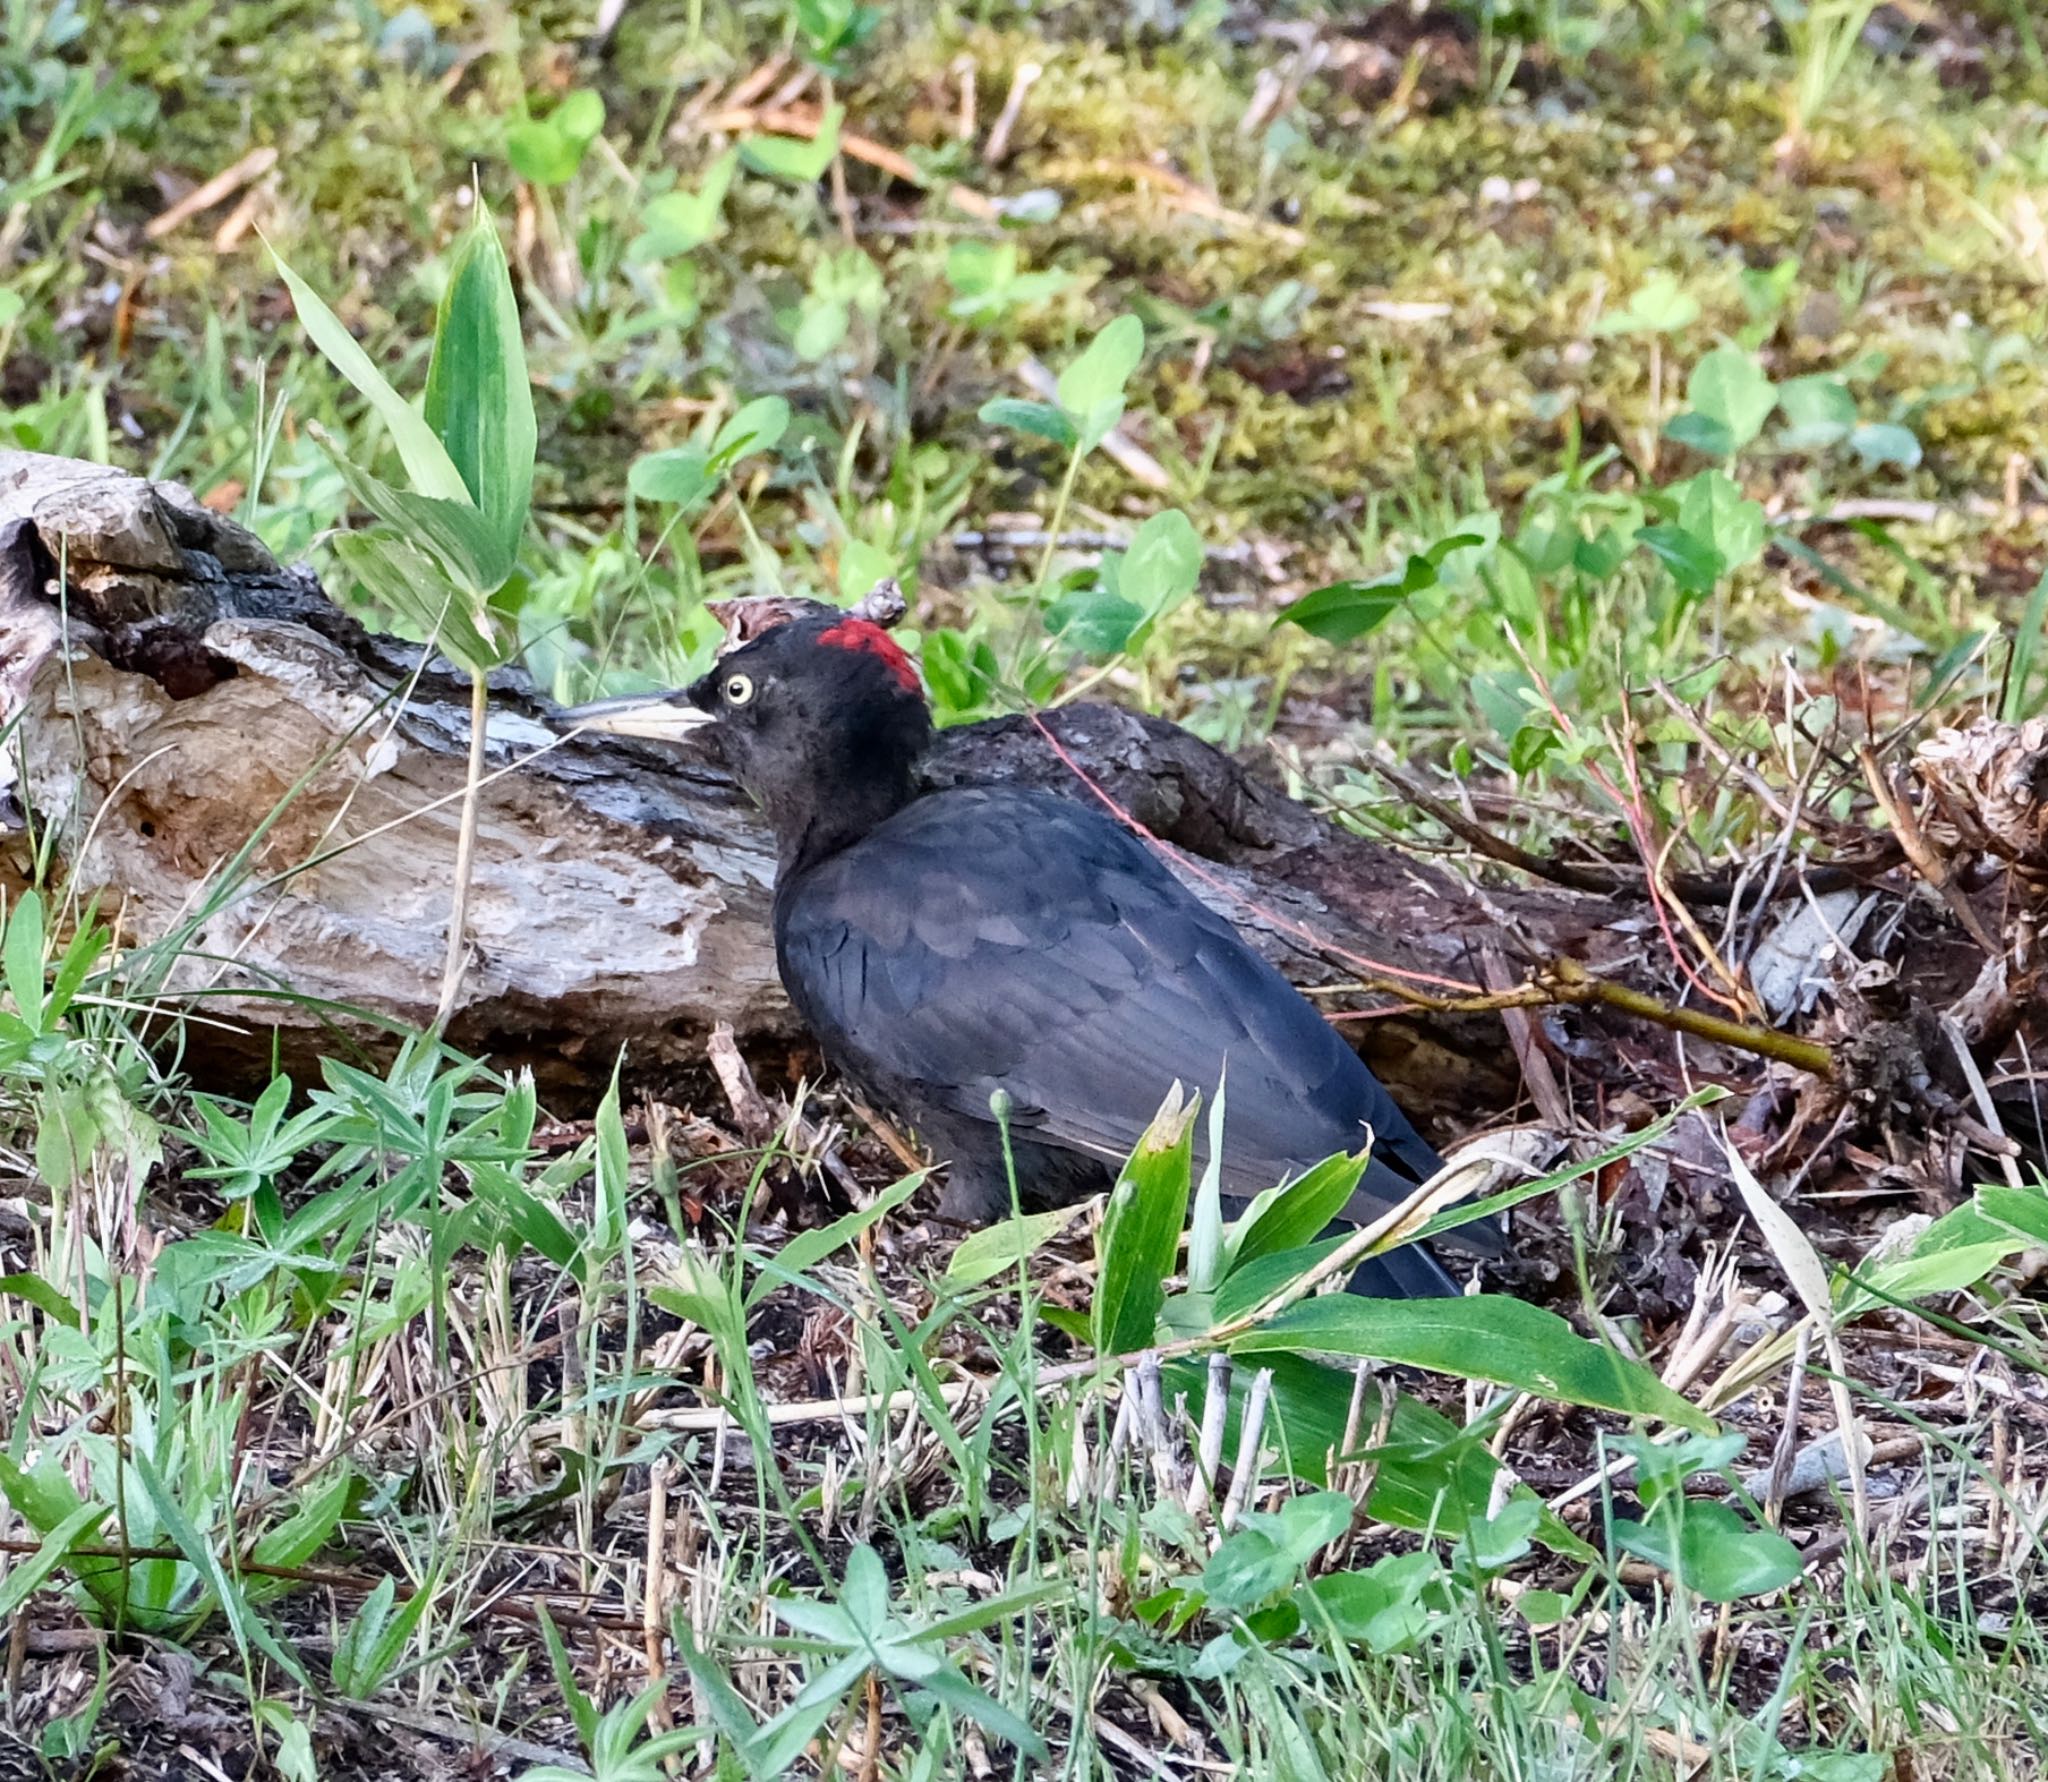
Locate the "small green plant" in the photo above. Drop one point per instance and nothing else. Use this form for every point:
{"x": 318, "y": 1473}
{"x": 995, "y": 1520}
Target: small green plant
{"x": 620, "y": 1741}
{"x": 989, "y": 285}
{"x": 1104, "y": 612}
{"x": 369, "y": 1648}
{"x": 830, "y": 30}
{"x": 1824, "y": 36}
{"x": 443, "y": 555}
{"x": 677, "y": 223}
{"x": 863, "y": 1635}
{"x": 1710, "y": 1550}
{"x": 549, "y": 150}
{"x": 842, "y": 286}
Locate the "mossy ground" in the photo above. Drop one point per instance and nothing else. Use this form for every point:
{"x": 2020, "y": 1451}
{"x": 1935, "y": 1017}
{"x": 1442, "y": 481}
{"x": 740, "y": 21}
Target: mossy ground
{"x": 1377, "y": 310}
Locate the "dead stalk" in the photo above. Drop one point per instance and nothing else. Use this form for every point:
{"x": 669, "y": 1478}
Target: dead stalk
{"x": 465, "y": 851}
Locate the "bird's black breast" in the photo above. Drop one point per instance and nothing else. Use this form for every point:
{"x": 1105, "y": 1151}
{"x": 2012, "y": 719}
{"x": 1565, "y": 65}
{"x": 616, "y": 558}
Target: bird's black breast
{"x": 1003, "y": 938}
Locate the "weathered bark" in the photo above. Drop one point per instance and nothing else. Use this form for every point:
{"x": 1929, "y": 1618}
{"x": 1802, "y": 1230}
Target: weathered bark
{"x": 223, "y": 755}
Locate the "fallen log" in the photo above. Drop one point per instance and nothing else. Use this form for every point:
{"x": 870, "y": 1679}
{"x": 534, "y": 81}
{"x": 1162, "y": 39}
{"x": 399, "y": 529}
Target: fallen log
{"x": 267, "y": 793}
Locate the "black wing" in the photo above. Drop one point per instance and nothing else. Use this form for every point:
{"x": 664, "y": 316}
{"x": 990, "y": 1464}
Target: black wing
{"x": 1000, "y": 938}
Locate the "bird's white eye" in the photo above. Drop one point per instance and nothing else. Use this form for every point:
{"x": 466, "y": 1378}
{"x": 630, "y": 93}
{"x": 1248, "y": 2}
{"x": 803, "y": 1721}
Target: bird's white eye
{"x": 739, "y": 689}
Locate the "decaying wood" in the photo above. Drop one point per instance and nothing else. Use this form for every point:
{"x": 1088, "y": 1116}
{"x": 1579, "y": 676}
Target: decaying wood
{"x": 223, "y": 755}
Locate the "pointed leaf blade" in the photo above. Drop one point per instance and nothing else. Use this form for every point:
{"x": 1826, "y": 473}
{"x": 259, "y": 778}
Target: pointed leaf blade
{"x": 1491, "y": 1338}
{"x": 1141, "y": 1231}
{"x": 426, "y": 460}
{"x": 479, "y": 399}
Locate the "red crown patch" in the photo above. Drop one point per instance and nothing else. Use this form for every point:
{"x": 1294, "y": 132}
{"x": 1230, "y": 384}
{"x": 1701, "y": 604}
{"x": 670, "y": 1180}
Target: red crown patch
{"x": 872, "y": 640}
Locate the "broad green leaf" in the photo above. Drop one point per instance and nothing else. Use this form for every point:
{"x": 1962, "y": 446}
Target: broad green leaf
{"x": 1265, "y": 1554}
{"x": 42, "y": 1495}
{"x": 681, "y": 222}
{"x": 1958, "y": 1250}
{"x": 456, "y": 534}
{"x": 799, "y": 160}
{"x": 1694, "y": 563}
{"x": 1162, "y": 564}
{"x": 1380, "y": 1608}
{"x": 1040, "y": 419}
{"x": 1094, "y": 621}
{"x": 41, "y": 1294}
{"x": 1819, "y": 411}
{"x": 1140, "y": 1237}
{"x": 1488, "y": 1338}
{"x": 984, "y": 1254}
{"x": 416, "y": 588}
{"x": 1543, "y": 1608}
{"x": 680, "y": 476}
{"x": 22, "y": 957}
{"x": 580, "y": 116}
{"x": 1920, "y": 1277}
{"x": 864, "y": 1596}
{"x": 1598, "y": 557}
{"x": 1883, "y": 442}
{"x": 1249, "y": 1285}
{"x": 1343, "y": 612}
{"x": 1098, "y": 375}
{"x": 1286, "y": 1218}
{"x": 1495, "y": 1543}
{"x": 1702, "y": 433}
{"x": 67, "y": 1131}
{"x": 548, "y": 150}
{"x": 1713, "y": 508}
{"x": 1728, "y": 386}
{"x": 426, "y": 460}
{"x": 2025, "y": 1210}
{"x": 1711, "y": 1550}
{"x": 479, "y": 399}
{"x": 757, "y": 427}
{"x": 26, "y": 1576}
{"x": 1091, "y": 389}
{"x": 1532, "y": 744}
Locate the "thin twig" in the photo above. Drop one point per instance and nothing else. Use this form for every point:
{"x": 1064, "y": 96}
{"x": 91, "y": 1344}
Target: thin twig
{"x": 1926, "y": 862}
{"x": 465, "y": 850}
{"x": 1244, "y": 1476}
{"x": 1788, "y": 1437}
